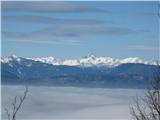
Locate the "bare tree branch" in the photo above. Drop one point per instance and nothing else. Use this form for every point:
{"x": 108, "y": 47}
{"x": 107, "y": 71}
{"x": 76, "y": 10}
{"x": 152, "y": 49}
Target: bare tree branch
{"x": 17, "y": 104}
{"x": 8, "y": 114}
{"x": 151, "y": 100}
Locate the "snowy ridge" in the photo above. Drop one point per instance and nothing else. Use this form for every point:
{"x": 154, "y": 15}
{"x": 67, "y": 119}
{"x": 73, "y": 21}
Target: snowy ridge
{"x": 90, "y": 60}
{"x": 10, "y": 58}
{"x": 49, "y": 60}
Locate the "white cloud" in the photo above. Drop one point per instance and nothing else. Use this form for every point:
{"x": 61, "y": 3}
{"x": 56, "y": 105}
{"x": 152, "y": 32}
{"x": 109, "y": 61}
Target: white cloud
{"x": 47, "y": 6}
{"x": 60, "y": 42}
{"x": 143, "y": 48}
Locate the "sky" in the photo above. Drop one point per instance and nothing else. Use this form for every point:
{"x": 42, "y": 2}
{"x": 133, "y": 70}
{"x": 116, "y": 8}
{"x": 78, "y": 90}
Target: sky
{"x": 70, "y": 30}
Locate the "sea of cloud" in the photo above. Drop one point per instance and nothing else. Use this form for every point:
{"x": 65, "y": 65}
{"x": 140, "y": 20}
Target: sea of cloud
{"x": 71, "y": 103}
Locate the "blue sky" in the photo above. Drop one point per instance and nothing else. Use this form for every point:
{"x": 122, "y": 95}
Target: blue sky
{"x": 75, "y": 29}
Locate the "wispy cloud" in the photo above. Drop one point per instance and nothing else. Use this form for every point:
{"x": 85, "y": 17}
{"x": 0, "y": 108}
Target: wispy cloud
{"x": 149, "y": 14}
{"x": 67, "y": 34}
{"x": 42, "y": 39}
{"x": 60, "y": 42}
{"x": 47, "y": 6}
{"x": 143, "y": 48}
{"x": 48, "y": 20}
{"x": 86, "y": 30}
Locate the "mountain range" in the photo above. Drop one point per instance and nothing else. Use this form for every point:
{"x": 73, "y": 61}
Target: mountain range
{"x": 90, "y": 60}
{"x": 89, "y": 71}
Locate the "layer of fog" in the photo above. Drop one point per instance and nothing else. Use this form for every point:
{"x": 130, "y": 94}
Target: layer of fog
{"x": 44, "y": 103}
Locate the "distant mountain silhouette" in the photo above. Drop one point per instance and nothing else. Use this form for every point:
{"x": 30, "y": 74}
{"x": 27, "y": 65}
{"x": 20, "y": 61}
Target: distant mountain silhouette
{"x": 18, "y": 70}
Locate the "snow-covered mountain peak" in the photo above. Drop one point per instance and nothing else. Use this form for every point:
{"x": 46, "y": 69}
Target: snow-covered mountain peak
{"x": 132, "y": 60}
{"x": 90, "y": 60}
{"x": 10, "y": 58}
{"x": 90, "y": 56}
{"x": 14, "y": 56}
{"x": 49, "y": 60}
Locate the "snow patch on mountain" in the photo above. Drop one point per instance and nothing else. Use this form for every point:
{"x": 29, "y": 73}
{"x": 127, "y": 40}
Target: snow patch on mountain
{"x": 10, "y": 58}
{"x": 49, "y": 60}
{"x": 90, "y": 60}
